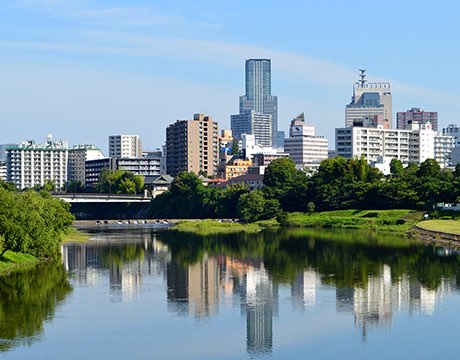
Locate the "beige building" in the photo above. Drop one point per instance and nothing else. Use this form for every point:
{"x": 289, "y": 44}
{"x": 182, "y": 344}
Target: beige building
{"x": 192, "y": 145}
{"x": 236, "y": 167}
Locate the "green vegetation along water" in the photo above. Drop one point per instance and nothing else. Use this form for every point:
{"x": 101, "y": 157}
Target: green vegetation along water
{"x": 279, "y": 293}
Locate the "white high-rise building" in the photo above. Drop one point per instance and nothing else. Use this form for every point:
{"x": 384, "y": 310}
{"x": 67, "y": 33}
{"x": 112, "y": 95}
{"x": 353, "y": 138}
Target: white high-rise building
{"x": 303, "y": 146}
{"x": 415, "y": 145}
{"x": 76, "y": 163}
{"x": 29, "y": 164}
{"x": 125, "y": 146}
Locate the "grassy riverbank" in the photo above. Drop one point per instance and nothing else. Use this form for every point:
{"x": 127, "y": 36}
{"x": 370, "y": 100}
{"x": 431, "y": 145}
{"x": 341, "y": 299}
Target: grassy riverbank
{"x": 208, "y": 226}
{"x": 75, "y": 235}
{"x": 445, "y": 226}
{"x": 384, "y": 220}
{"x": 12, "y": 261}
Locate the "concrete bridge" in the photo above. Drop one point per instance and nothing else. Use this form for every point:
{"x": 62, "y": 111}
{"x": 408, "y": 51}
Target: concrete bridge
{"x": 102, "y": 198}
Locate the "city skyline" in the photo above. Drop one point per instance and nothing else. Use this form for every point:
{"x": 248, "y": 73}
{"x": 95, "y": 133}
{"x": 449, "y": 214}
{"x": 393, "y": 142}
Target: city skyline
{"x": 82, "y": 70}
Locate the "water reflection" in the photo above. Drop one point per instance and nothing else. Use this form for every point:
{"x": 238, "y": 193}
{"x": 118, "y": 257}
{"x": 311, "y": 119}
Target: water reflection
{"x": 27, "y": 300}
{"x": 373, "y": 277}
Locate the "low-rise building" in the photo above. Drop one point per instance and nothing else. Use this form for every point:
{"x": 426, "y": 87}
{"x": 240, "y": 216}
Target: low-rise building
{"x": 236, "y": 167}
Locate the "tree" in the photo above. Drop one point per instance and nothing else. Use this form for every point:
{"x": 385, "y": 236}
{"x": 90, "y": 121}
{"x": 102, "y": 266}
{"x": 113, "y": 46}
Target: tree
{"x": 285, "y": 183}
{"x": 396, "y": 167}
{"x": 429, "y": 167}
{"x": 235, "y": 147}
{"x": 311, "y": 207}
{"x": 120, "y": 182}
{"x": 251, "y": 206}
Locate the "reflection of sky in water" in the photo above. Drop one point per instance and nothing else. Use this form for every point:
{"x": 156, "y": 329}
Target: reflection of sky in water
{"x": 141, "y": 296}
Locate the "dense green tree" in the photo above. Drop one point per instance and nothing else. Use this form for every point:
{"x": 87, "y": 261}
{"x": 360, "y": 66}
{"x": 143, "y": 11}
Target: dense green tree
{"x": 120, "y": 182}
{"x": 32, "y": 222}
{"x": 396, "y": 167}
{"x": 251, "y": 206}
{"x": 286, "y": 184}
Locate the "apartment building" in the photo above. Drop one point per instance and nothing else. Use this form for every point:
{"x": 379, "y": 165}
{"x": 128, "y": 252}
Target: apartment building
{"x": 29, "y": 164}
{"x": 192, "y": 145}
{"x": 415, "y": 145}
{"x": 125, "y": 146}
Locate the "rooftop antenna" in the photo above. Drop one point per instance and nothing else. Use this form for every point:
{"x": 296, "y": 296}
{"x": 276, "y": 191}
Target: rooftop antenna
{"x": 362, "y": 75}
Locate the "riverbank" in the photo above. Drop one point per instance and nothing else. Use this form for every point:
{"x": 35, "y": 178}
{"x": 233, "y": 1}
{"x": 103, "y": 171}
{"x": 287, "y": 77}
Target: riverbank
{"x": 12, "y": 262}
{"x": 209, "y": 226}
{"x": 445, "y": 232}
{"x": 380, "y": 220}
{"x": 75, "y": 235}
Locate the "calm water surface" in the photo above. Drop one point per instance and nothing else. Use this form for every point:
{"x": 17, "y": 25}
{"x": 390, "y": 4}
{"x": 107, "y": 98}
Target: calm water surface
{"x": 291, "y": 294}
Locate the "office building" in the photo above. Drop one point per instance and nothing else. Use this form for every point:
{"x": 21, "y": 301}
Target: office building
{"x": 253, "y": 123}
{"x": 192, "y": 145}
{"x": 303, "y": 146}
{"x": 372, "y": 101}
{"x": 78, "y": 155}
{"x": 125, "y": 146}
{"x": 29, "y": 164}
{"x": 258, "y": 98}
{"x": 416, "y": 116}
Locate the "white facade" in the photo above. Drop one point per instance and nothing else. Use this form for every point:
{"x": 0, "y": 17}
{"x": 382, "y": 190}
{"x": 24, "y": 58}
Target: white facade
{"x": 303, "y": 146}
{"x": 3, "y": 172}
{"x": 125, "y": 146}
{"x": 29, "y": 164}
{"x": 416, "y": 145}
{"x": 76, "y": 163}
{"x": 443, "y": 146}
{"x": 249, "y": 147}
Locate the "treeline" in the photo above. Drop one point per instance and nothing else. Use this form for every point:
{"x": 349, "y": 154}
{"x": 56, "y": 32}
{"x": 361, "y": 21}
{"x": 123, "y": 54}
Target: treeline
{"x": 338, "y": 184}
{"x": 111, "y": 181}
{"x": 31, "y": 222}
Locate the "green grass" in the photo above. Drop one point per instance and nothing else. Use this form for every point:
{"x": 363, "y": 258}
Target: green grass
{"x": 207, "y": 227}
{"x": 446, "y": 226}
{"x": 12, "y": 261}
{"x": 385, "y": 220}
{"x": 74, "y": 235}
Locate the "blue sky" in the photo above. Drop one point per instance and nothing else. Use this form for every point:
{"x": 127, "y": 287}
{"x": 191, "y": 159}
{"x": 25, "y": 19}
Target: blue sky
{"x": 82, "y": 69}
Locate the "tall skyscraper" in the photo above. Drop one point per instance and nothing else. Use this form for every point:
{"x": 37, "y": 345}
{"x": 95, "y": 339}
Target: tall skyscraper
{"x": 192, "y": 145}
{"x": 370, "y": 102}
{"x": 258, "y": 97}
{"x": 416, "y": 116}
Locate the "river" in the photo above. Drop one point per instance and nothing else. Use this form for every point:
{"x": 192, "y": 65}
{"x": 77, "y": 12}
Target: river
{"x": 144, "y": 293}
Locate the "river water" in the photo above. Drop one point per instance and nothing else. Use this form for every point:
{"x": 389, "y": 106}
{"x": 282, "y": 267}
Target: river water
{"x": 143, "y": 293}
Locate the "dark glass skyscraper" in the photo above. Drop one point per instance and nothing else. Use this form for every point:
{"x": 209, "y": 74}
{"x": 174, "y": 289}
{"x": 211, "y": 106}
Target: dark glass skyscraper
{"x": 258, "y": 97}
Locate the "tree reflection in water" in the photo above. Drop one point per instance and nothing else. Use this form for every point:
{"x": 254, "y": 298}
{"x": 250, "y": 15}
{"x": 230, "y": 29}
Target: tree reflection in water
{"x": 27, "y": 300}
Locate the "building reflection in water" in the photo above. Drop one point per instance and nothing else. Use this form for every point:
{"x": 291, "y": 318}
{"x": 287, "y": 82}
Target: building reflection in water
{"x": 197, "y": 289}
